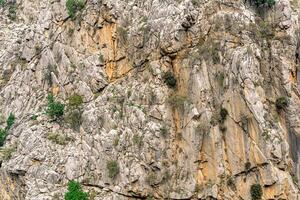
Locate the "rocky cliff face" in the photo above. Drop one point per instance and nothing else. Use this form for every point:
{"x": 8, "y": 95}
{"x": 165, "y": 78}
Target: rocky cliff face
{"x": 182, "y": 99}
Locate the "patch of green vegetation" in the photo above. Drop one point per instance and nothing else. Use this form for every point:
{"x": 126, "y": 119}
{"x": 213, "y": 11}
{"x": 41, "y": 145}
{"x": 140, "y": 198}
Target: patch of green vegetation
{"x": 74, "y": 111}
{"x": 73, "y": 6}
{"x": 10, "y": 121}
{"x": 264, "y": 2}
{"x": 3, "y": 132}
{"x": 34, "y": 117}
{"x": 58, "y": 138}
{"x": 75, "y": 192}
{"x": 6, "y": 153}
{"x": 170, "y": 79}
{"x": 54, "y": 109}
{"x": 12, "y": 12}
{"x": 3, "y": 135}
{"x": 256, "y": 192}
{"x": 75, "y": 100}
{"x": 164, "y": 131}
{"x": 281, "y": 103}
{"x": 2, "y": 2}
{"x": 266, "y": 30}
{"x": 101, "y": 59}
{"x": 112, "y": 168}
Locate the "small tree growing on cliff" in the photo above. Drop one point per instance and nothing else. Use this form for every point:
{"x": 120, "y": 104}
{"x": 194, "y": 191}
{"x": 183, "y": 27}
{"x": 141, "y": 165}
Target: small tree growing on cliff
{"x": 256, "y": 192}
{"x": 75, "y": 192}
{"x": 73, "y": 6}
{"x": 264, "y": 2}
{"x": 54, "y": 109}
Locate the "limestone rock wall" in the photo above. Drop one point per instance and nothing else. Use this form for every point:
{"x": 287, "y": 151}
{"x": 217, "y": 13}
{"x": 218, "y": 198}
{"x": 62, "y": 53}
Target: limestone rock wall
{"x": 169, "y": 143}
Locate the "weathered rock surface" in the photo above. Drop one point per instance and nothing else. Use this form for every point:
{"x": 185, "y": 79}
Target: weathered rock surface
{"x": 223, "y": 53}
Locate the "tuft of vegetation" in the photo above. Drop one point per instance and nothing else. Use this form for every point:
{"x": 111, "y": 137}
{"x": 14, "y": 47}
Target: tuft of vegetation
{"x": 10, "y": 121}
{"x": 2, "y": 2}
{"x": 73, "y": 6}
{"x": 6, "y": 153}
{"x": 112, "y": 168}
{"x": 164, "y": 131}
{"x": 223, "y": 115}
{"x": 34, "y": 117}
{"x": 3, "y": 132}
{"x": 75, "y": 100}
{"x": 247, "y": 166}
{"x": 231, "y": 184}
{"x": 266, "y": 30}
{"x": 58, "y": 139}
{"x": 75, "y": 192}
{"x": 74, "y": 111}
{"x": 170, "y": 79}
{"x": 256, "y": 192}
{"x": 281, "y": 103}
{"x": 12, "y": 12}
{"x": 54, "y": 109}
{"x": 264, "y": 3}
{"x": 3, "y": 135}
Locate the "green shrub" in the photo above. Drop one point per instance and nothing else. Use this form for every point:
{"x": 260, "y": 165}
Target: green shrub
{"x": 58, "y": 139}
{"x": 75, "y": 100}
{"x": 74, "y": 111}
{"x": 264, "y": 2}
{"x": 264, "y": 30}
{"x": 112, "y": 168}
{"x": 34, "y": 117}
{"x": 2, "y": 2}
{"x": 256, "y": 192}
{"x": 75, "y": 192}
{"x": 73, "y": 6}
{"x": 3, "y": 135}
{"x": 10, "y": 121}
{"x": 54, "y": 109}
{"x": 169, "y": 79}
{"x": 12, "y": 12}
{"x": 6, "y": 153}
{"x": 281, "y": 103}
{"x": 3, "y": 132}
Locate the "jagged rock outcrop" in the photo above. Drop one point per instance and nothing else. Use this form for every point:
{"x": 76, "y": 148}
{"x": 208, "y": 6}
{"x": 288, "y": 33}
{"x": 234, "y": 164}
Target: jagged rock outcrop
{"x": 212, "y": 135}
